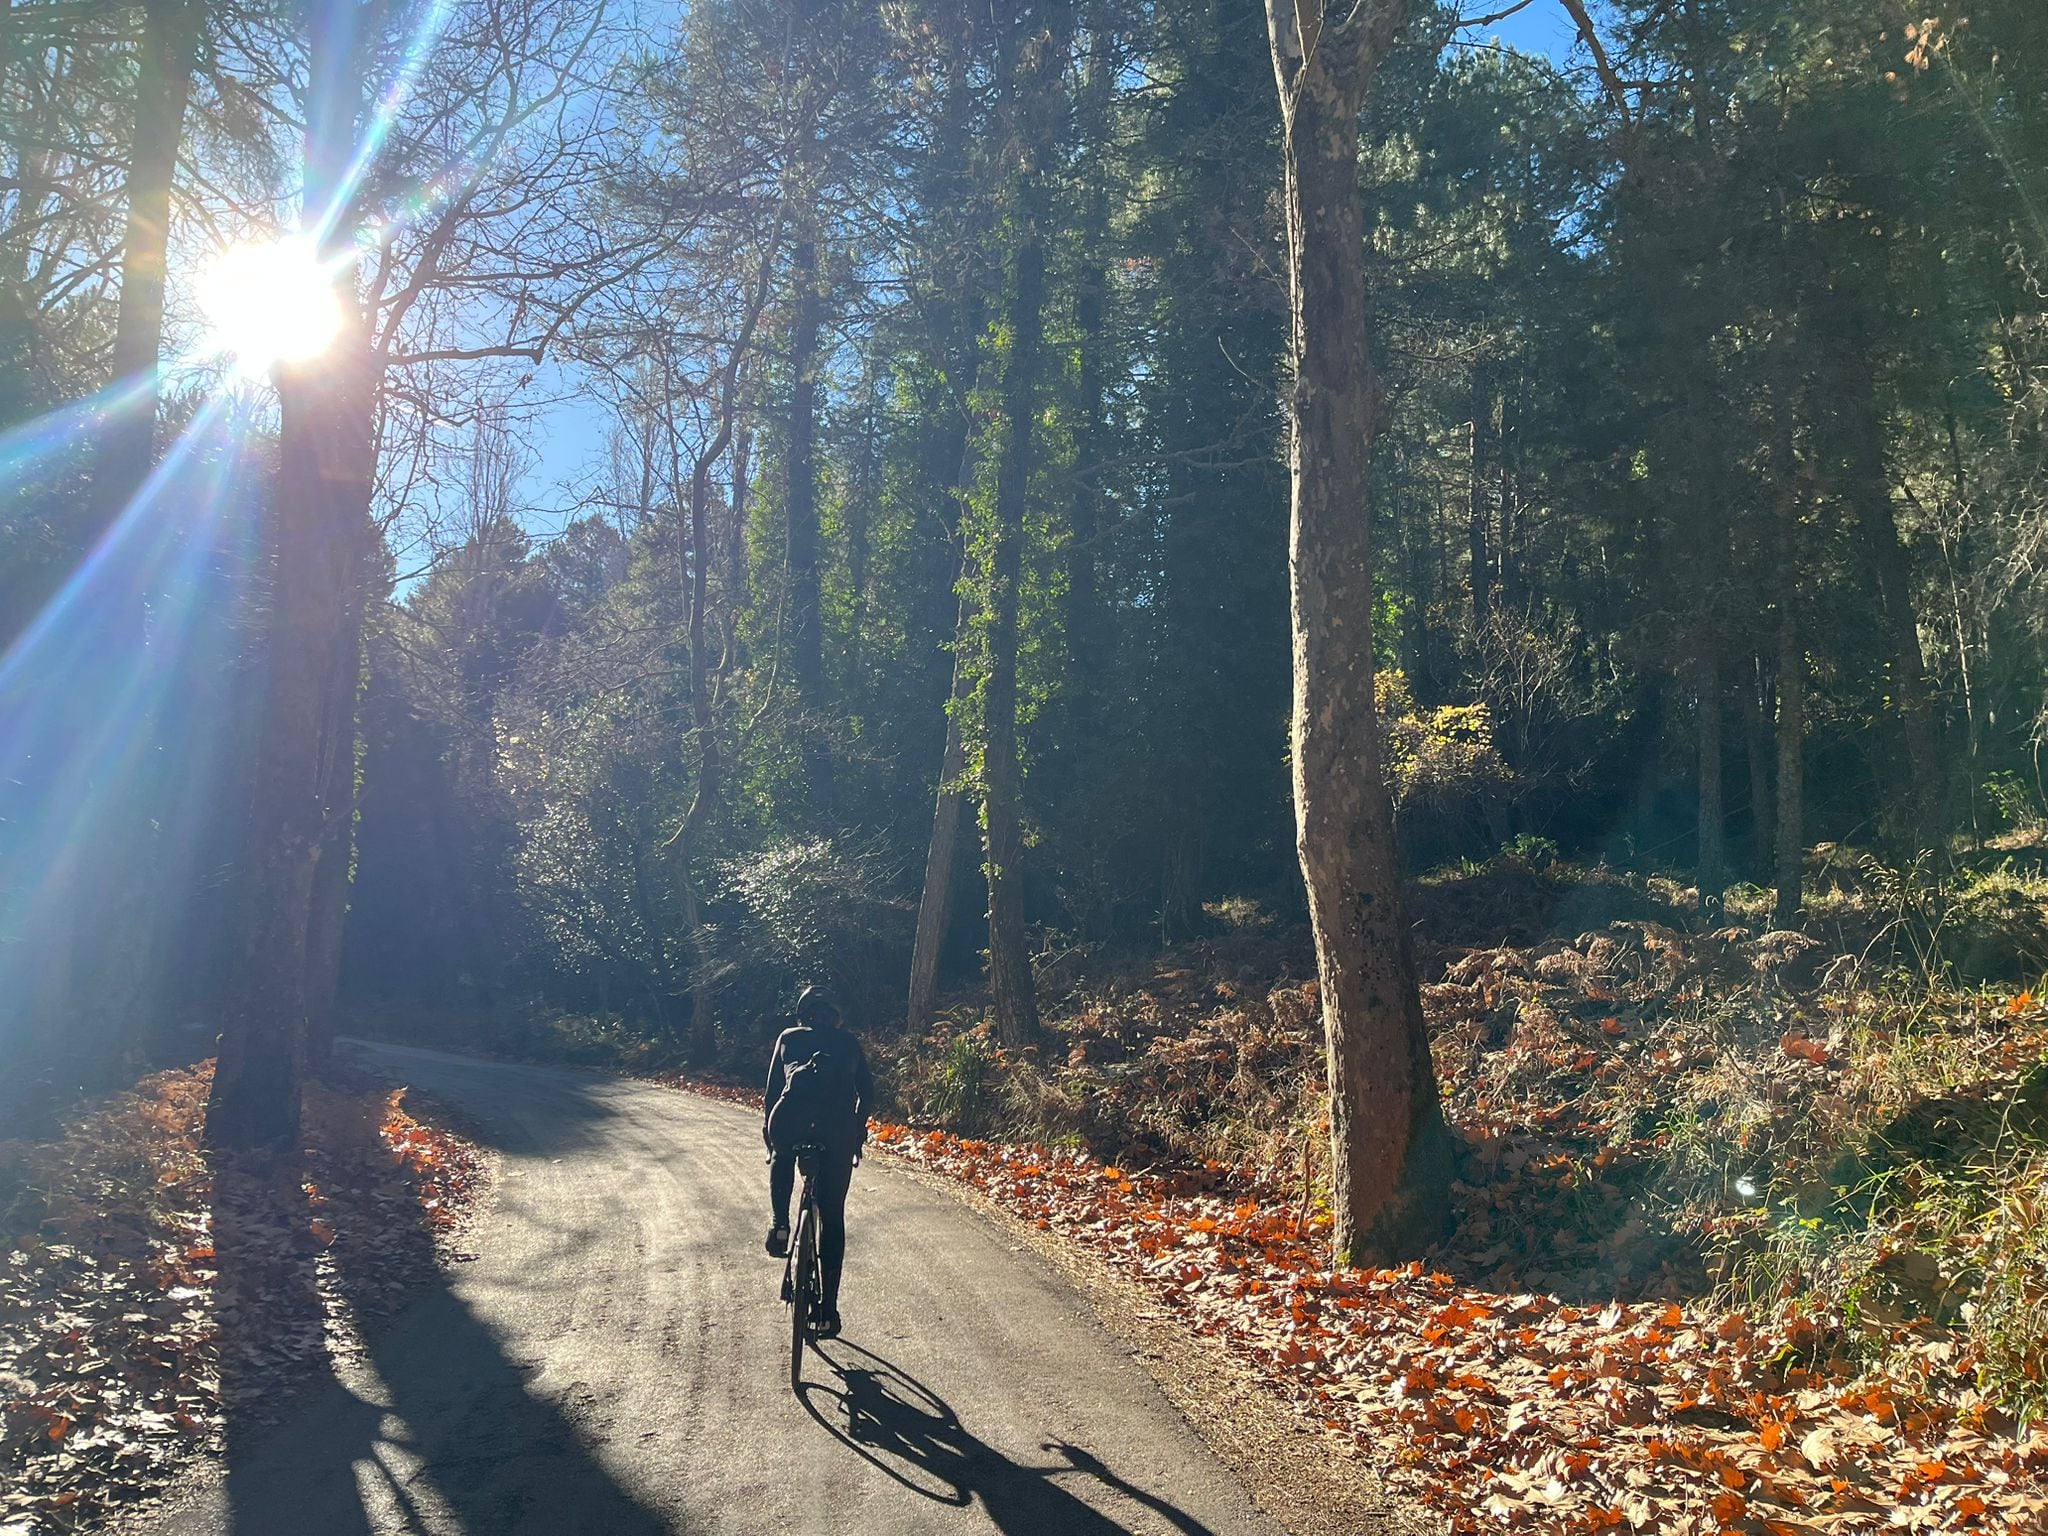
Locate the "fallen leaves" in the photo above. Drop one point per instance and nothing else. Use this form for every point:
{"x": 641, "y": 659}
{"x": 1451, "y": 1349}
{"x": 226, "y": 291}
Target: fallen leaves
{"x": 145, "y": 1296}
{"x": 1523, "y": 1411}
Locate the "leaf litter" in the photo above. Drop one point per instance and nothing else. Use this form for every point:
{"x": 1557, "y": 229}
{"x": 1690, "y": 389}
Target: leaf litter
{"x": 1567, "y": 1360}
{"x": 146, "y": 1295}
{"x": 1523, "y": 1411}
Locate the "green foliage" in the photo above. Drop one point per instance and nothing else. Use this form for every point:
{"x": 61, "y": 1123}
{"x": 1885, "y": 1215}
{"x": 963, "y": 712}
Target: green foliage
{"x": 1439, "y": 759}
{"x": 815, "y": 910}
{"x": 2011, "y": 799}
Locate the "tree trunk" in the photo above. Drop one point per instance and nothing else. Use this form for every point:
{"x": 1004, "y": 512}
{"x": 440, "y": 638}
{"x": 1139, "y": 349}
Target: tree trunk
{"x": 736, "y": 573}
{"x": 1869, "y": 491}
{"x": 1478, "y": 510}
{"x": 170, "y": 39}
{"x": 326, "y": 462}
{"x": 1390, "y": 1152}
{"x": 1713, "y": 876}
{"x": 329, "y": 909}
{"x": 327, "y": 457}
{"x": 326, "y": 924}
{"x": 1083, "y": 608}
{"x": 680, "y": 846}
{"x": 1791, "y": 851}
{"x": 119, "y": 923}
{"x": 1910, "y": 689}
{"x": 962, "y": 364}
{"x": 800, "y": 509}
{"x": 1036, "y": 53}
{"x": 935, "y": 907}
{"x": 1756, "y": 741}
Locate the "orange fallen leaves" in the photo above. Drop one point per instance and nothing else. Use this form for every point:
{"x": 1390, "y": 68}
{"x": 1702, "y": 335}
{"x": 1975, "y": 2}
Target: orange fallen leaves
{"x": 1522, "y": 1412}
{"x": 1805, "y": 1049}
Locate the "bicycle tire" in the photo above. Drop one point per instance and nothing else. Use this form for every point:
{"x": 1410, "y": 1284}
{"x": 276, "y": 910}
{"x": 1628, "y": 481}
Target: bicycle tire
{"x": 804, "y": 1248}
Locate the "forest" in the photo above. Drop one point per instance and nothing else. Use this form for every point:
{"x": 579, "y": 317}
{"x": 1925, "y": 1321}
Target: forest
{"x": 1444, "y": 614}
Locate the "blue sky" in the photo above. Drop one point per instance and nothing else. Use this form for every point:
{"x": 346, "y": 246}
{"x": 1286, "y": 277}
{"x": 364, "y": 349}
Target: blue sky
{"x": 569, "y": 435}
{"x": 1542, "y": 28}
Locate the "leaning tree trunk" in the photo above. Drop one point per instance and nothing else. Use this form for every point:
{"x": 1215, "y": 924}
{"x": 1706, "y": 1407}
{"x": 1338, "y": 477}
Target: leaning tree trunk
{"x": 935, "y": 906}
{"x": 1390, "y": 1162}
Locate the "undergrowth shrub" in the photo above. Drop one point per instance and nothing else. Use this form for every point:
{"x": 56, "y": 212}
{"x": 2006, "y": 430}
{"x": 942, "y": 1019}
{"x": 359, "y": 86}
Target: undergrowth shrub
{"x": 813, "y": 909}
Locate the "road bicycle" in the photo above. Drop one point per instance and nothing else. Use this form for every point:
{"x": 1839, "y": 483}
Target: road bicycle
{"x": 803, "y": 1284}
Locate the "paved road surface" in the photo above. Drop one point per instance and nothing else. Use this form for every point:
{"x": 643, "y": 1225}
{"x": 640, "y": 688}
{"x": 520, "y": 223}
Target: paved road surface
{"x": 612, "y": 1362}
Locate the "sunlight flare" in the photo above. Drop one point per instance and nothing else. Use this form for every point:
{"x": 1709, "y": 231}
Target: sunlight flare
{"x": 268, "y": 303}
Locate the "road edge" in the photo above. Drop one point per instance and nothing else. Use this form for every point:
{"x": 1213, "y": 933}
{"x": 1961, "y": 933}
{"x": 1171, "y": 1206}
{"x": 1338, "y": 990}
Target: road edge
{"x": 1312, "y": 1482}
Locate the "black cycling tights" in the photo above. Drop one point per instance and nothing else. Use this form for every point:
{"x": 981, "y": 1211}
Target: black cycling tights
{"x": 834, "y": 1175}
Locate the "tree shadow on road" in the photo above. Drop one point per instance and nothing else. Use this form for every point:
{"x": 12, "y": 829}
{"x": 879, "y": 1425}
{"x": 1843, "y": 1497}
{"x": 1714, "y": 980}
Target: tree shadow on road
{"x": 904, "y": 1429}
{"x": 436, "y": 1430}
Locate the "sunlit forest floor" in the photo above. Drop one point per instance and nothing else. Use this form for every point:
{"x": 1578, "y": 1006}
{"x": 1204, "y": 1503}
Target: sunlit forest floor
{"x": 151, "y": 1298}
{"x": 1748, "y": 1229}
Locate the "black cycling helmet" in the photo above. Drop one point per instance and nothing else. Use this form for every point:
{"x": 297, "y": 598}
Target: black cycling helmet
{"x": 814, "y": 1006}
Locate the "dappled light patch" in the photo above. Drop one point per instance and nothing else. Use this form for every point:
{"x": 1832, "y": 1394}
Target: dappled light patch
{"x": 149, "y": 1293}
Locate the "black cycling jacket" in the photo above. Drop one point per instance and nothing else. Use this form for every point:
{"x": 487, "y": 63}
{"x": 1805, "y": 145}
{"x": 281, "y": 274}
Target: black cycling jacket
{"x": 802, "y": 1042}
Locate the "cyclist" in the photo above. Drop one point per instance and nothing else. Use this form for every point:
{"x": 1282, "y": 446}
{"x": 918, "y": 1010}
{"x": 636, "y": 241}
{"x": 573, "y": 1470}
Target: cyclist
{"x": 818, "y": 1094}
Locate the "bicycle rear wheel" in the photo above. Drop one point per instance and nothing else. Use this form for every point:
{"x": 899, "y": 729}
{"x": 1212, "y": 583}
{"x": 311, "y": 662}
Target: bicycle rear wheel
{"x": 804, "y": 1287}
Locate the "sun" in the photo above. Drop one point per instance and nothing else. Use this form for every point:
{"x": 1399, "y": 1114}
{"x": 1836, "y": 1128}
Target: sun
{"x": 268, "y": 303}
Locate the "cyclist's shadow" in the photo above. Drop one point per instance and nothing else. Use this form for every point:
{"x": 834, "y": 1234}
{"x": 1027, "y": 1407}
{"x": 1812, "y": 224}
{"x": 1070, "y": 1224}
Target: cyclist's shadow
{"x": 903, "y": 1428}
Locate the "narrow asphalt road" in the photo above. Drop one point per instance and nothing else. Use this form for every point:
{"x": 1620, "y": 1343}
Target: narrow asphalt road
{"x": 613, "y": 1362}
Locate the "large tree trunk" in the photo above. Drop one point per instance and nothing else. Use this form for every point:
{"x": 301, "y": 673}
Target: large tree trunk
{"x": 935, "y": 906}
{"x": 329, "y": 909}
{"x": 327, "y": 457}
{"x": 326, "y": 460}
{"x": 1390, "y": 1152}
{"x": 800, "y": 509}
{"x": 962, "y": 364}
